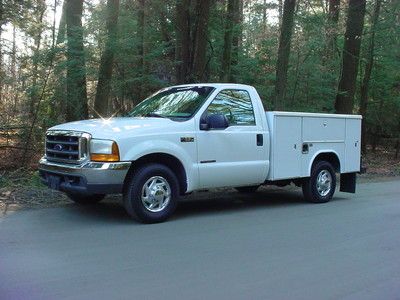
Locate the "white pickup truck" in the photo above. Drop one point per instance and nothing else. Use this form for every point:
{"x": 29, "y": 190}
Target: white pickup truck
{"x": 195, "y": 137}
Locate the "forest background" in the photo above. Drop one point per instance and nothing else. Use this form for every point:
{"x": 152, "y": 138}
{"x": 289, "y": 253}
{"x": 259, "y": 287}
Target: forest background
{"x": 73, "y": 59}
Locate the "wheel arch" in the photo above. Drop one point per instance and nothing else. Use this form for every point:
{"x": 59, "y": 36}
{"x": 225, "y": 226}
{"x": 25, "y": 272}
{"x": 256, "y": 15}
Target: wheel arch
{"x": 166, "y": 159}
{"x": 329, "y": 156}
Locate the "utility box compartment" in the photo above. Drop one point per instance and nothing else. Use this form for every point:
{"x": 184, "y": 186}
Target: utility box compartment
{"x": 298, "y": 138}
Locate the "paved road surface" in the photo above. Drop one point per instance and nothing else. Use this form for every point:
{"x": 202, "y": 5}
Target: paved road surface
{"x": 271, "y": 246}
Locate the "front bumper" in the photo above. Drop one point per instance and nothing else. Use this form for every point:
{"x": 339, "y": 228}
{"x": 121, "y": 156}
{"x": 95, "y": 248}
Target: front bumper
{"x": 86, "y": 178}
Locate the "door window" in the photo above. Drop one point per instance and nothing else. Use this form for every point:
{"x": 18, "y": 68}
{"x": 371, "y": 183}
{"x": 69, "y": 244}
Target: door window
{"x": 235, "y": 105}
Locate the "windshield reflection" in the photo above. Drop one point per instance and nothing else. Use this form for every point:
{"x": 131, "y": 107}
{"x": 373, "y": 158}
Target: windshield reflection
{"x": 176, "y": 102}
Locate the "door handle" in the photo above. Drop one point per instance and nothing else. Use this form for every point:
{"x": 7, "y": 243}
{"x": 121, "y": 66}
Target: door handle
{"x": 260, "y": 139}
{"x": 304, "y": 148}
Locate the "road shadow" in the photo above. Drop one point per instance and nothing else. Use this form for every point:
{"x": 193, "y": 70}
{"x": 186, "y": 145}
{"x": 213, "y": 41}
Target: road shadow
{"x": 110, "y": 211}
{"x": 200, "y": 203}
{"x": 230, "y": 200}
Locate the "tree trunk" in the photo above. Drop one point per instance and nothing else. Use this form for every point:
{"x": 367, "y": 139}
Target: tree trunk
{"x": 101, "y": 103}
{"x": 228, "y": 40}
{"x": 141, "y": 48}
{"x": 1, "y": 51}
{"x": 14, "y": 70}
{"x": 283, "y": 54}
{"x": 237, "y": 37}
{"x": 182, "y": 52}
{"x": 200, "y": 50}
{"x": 367, "y": 74}
{"x": 34, "y": 95}
{"x": 333, "y": 18}
{"x": 351, "y": 50}
{"x": 76, "y": 72}
{"x": 280, "y": 12}
{"x": 62, "y": 26}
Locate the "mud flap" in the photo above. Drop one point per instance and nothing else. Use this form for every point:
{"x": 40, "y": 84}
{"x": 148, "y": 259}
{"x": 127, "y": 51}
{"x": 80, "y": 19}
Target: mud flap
{"x": 348, "y": 182}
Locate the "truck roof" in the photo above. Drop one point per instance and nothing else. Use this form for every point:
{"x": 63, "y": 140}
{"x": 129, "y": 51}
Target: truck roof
{"x": 216, "y": 85}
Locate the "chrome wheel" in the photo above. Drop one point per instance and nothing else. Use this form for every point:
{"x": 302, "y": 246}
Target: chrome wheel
{"x": 324, "y": 183}
{"x": 156, "y": 194}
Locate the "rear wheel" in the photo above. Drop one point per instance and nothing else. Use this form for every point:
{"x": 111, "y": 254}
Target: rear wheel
{"x": 150, "y": 194}
{"x": 321, "y": 185}
{"x": 247, "y": 189}
{"x": 85, "y": 199}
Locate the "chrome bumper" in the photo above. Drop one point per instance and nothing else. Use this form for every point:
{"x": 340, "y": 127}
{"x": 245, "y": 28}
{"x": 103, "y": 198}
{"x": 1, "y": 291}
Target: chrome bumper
{"x": 88, "y": 178}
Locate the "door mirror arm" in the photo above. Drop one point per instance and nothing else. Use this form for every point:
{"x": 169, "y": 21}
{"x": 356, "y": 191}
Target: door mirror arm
{"x": 204, "y": 126}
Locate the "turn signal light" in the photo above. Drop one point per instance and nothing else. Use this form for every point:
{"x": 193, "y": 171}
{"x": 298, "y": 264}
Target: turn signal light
{"x": 113, "y": 156}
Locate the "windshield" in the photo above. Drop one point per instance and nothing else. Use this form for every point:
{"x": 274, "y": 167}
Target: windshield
{"x": 177, "y": 102}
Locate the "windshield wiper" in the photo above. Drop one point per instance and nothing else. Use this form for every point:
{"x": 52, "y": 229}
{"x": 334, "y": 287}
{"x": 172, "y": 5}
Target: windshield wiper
{"x": 155, "y": 115}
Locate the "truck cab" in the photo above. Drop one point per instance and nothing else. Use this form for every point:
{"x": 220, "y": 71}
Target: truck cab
{"x": 199, "y": 136}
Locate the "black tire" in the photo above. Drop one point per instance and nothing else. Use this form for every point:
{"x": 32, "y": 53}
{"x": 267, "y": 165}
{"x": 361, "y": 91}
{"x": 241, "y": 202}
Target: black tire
{"x": 316, "y": 193}
{"x": 135, "y": 185}
{"x": 247, "y": 189}
{"x": 85, "y": 199}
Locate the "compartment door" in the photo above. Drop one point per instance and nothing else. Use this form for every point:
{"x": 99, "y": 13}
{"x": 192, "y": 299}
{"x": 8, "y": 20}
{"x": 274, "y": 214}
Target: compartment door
{"x": 287, "y": 147}
{"x": 353, "y": 145}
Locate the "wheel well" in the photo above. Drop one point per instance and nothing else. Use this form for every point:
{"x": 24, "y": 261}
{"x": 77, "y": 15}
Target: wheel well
{"x": 165, "y": 159}
{"x": 329, "y": 157}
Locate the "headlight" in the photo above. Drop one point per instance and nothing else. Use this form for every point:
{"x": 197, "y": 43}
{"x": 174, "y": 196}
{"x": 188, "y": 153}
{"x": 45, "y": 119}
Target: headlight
{"x": 103, "y": 150}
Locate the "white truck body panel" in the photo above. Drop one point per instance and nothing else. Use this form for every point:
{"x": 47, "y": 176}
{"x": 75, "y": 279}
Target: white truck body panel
{"x": 323, "y": 133}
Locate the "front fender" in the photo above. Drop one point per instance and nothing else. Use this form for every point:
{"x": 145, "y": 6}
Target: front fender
{"x": 147, "y": 147}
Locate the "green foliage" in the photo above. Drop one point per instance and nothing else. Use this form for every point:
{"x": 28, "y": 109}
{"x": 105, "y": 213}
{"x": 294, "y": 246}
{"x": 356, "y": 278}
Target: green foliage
{"x": 383, "y": 116}
{"x": 34, "y": 75}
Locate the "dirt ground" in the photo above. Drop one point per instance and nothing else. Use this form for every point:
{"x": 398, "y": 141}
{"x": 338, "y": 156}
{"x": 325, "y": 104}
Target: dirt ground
{"x": 21, "y": 189}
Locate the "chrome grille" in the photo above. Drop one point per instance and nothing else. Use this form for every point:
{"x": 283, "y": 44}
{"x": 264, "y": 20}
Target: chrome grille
{"x": 66, "y": 146}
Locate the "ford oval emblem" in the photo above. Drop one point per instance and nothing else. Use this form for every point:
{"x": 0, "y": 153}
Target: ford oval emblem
{"x": 58, "y": 147}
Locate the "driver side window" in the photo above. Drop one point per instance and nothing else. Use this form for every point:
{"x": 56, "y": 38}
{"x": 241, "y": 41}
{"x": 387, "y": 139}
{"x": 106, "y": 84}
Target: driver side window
{"x": 235, "y": 105}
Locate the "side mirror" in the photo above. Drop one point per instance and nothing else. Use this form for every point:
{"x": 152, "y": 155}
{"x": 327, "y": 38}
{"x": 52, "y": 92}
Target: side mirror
{"x": 214, "y": 121}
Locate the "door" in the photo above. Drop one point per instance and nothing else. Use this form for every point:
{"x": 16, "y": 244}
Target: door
{"x": 287, "y": 147}
{"x": 236, "y": 155}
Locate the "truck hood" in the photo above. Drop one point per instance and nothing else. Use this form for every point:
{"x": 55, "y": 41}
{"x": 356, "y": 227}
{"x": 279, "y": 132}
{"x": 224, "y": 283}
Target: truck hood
{"x": 114, "y": 127}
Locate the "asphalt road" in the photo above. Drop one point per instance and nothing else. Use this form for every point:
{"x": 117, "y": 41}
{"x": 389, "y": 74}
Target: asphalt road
{"x": 269, "y": 246}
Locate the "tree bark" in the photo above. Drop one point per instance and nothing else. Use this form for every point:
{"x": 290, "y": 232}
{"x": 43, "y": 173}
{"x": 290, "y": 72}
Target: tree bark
{"x": 236, "y": 38}
{"x": 141, "y": 47}
{"x": 101, "y": 104}
{"x": 182, "y": 52}
{"x": 283, "y": 54}
{"x": 354, "y": 25}
{"x": 76, "y": 72}
{"x": 367, "y": 74}
{"x": 200, "y": 50}
{"x": 228, "y": 40}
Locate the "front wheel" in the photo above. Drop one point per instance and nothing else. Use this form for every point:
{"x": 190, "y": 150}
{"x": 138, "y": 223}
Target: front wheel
{"x": 321, "y": 185}
{"x": 150, "y": 194}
